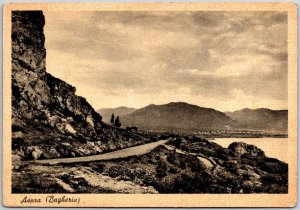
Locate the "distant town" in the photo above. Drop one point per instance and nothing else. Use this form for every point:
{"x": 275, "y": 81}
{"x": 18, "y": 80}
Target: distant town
{"x": 241, "y": 134}
{"x": 210, "y": 134}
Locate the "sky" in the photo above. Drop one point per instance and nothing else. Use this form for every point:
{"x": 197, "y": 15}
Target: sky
{"x": 223, "y": 60}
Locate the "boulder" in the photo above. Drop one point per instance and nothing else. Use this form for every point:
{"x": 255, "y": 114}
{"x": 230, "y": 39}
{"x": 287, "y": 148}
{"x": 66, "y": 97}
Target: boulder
{"x": 16, "y": 161}
{"x": 90, "y": 120}
{"x": 53, "y": 120}
{"x": 36, "y": 153}
{"x": 69, "y": 128}
{"x": 241, "y": 148}
{"x": 17, "y": 134}
{"x": 51, "y": 153}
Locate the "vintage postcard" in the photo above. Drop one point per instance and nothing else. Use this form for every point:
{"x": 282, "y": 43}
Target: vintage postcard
{"x": 150, "y": 105}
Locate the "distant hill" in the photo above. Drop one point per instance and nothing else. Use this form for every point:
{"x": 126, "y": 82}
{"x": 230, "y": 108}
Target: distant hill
{"x": 180, "y": 117}
{"x": 177, "y": 116}
{"x": 106, "y": 113}
{"x": 262, "y": 119}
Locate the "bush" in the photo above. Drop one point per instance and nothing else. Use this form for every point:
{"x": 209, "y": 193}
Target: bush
{"x": 189, "y": 182}
{"x": 161, "y": 169}
{"x": 115, "y": 171}
{"x": 172, "y": 158}
{"x": 17, "y": 143}
{"x": 177, "y": 142}
{"x": 98, "y": 167}
{"x": 194, "y": 164}
{"x": 273, "y": 168}
{"x": 173, "y": 170}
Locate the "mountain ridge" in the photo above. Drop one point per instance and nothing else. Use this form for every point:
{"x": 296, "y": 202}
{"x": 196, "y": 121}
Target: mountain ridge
{"x": 176, "y": 116}
{"x": 249, "y": 118}
{"x": 261, "y": 118}
{"x": 118, "y": 111}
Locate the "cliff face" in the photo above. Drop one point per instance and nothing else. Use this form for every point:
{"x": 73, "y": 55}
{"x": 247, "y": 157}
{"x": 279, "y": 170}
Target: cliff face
{"x": 48, "y": 119}
{"x": 29, "y": 90}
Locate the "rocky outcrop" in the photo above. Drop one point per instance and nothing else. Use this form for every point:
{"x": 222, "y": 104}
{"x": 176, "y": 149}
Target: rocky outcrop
{"x": 241, "y": 148}
{"x": 186, "y": 164}
{"x": 195, "y": 165}
{"x": 46, "y": 112}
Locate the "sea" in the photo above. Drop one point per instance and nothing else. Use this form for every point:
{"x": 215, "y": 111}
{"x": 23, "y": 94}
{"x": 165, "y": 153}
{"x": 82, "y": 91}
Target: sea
{"x": 273, "y": 147}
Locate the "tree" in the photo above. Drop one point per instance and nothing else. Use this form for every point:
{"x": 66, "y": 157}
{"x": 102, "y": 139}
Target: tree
{"x": 117, "y": 122}
{"x": 112, "y": 119}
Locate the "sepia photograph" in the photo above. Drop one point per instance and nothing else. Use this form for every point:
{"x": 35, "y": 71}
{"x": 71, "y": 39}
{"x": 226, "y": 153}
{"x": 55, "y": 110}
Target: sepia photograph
{"x": 157, "y": 99}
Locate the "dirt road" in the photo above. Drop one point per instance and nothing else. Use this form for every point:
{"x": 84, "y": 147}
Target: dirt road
{"x": 131, "y": 151}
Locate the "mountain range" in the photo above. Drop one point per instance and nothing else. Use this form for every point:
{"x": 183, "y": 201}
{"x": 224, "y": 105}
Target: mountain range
{"x": 261, "y": 119}
{"x": 180, "y": 116}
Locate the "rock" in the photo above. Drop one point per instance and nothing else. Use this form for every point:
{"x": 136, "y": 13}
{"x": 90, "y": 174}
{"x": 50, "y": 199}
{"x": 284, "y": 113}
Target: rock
{"x": 90, "y": 143}
{"x": 53, "y": 120}
{"x": 70, "y": 119}
{"x": 241, "y": 148}
{"x": 65, "y": 128}
{"x": 36, "y": 153}
{"x": 17, "y": 122}
{"x": 23, "y": 106}
{"x": 64, "y": 185}
{"x": 60, "y": 127}
{"x": 51, "y": 153}
{"x": 256, "y": 184}
{"x": 79, "y": 176}
{"x": 90, "y": 120}
{"x": 66, "y": 144}
{"x": 248, "y": 186}
{"x": 253, "y": 174}
{"x": 20, "y": 153}
{"x": 18, "y": 134}
{"x": 70, "y": 129}
{"x": 16, "y": 161}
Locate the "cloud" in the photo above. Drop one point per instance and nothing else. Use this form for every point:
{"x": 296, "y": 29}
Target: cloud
{"x": 137, "y": 58}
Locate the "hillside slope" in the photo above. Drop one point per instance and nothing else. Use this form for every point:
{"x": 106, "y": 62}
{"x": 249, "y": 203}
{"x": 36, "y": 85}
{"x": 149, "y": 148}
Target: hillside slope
{"x": 177, "y": 116}
{"x": 262, "y": 119}
{"x": 48, "y": 119}
{"x": 119, "y": 111}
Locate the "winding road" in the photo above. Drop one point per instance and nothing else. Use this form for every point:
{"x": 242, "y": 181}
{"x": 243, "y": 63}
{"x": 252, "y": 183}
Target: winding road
{"x": 122, "y": 153}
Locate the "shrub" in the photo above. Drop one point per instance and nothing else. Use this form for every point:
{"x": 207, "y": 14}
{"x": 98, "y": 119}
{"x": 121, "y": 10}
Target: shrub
{"x": 177, "y": 142}
{"x": 273, "y": 168}
{"x": 189, "y": 182}
{"x": 115, "y": 171}
{"x": 161, "y": 169}
{"x": 173, "y": 170}
{"x": 17, "y": 143}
